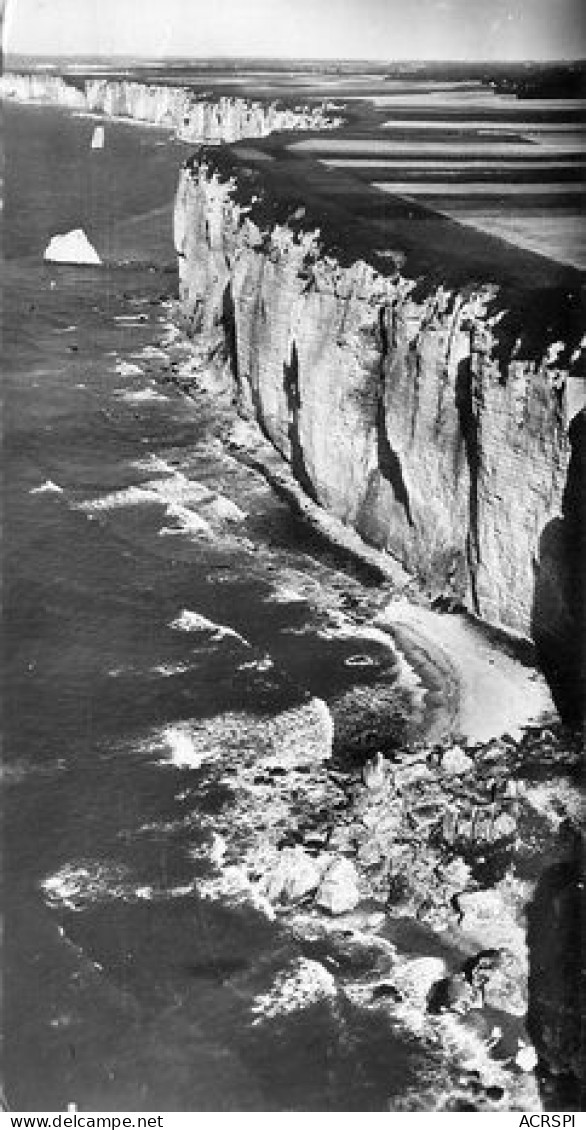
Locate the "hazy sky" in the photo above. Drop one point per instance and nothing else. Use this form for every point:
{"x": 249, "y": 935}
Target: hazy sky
{"x": 367, "y": 29}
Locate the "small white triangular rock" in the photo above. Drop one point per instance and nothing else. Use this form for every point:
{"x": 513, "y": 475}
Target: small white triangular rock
{"x": 72, "y": 247}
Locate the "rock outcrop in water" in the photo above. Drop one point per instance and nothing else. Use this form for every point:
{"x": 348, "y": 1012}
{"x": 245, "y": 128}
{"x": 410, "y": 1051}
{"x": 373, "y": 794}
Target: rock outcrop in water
{"x": 192, "y": 117}
{"x": 72, "y": 247}
{"x": 422, "y": 415}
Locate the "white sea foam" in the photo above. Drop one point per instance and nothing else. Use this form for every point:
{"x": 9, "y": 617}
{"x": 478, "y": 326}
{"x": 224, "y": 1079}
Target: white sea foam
{"x": 174, "y": 334}
{"x": 189, "y": 621}
{"x": 264, "y": 664}
{"x": 188, "y": 523}
{"x": 233, "y": 886}
{"x": 167, "y": 670}
{"x": 129, "y": 496}
{"x": 224, "y": 510}
{"x": 183, "y": 748}
{"x": 360, "y": 661}
{"x": 284, "y": 594}
{"x": 303, "y": 984}
{"x": 139, "y": 395}
{"x": 175, "y": 491}
{"x": 341, "y": 628}
{"x": 127, "y": 369}
{"x": 258, "y": 748}
{"x": 150, "y": 351}
{"x": 154, "y": 463}
{"x": 48, "y": 487}
{"x": 77, "y": 885}
{"x": 557, "y": 801}
{"x": 217, "y": 850}
{"x": 209, "y": 740}
{"x": 154, "y": 894}
{"x": 292, "y": 738}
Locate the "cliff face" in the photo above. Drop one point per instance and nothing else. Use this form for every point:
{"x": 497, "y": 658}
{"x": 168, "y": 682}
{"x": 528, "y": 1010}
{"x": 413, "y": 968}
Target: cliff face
{"x": 174, "y": 107}
{"x": 398, "y": 413}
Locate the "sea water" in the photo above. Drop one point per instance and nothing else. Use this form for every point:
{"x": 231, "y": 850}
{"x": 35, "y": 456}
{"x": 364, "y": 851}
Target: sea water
{"x": 166, "y": 621}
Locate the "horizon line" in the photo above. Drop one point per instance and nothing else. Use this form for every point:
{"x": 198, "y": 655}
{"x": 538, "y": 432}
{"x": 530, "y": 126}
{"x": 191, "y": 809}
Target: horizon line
{"x": 330, "y": 60}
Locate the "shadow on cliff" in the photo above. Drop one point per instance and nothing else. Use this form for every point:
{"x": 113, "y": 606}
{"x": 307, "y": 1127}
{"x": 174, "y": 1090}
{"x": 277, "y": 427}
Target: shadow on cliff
{"x": 556, "y": 915}
{"x": 389, "y": 463}
{"x": 468, "y": 419}
{"x": 558, "y": 620}
{"x": 555, "y": 921}
{"x": 293, "y": 394}
{"x": 230, "y": 334}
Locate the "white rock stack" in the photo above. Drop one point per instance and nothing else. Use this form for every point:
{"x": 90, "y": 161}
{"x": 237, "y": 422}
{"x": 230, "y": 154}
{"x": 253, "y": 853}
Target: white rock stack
{"x": 72, "y": 247}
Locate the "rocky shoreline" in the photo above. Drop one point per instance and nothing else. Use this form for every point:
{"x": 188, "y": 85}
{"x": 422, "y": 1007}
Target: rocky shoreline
{"x": 410, "y": 880}
{"x": 460, "y": 831}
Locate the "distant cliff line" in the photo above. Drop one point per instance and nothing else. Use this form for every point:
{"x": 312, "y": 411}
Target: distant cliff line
{"x": 178, "y": 108}
{"x": 410, "y": 416}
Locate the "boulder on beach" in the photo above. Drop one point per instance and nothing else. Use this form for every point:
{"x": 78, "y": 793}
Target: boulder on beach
{"x": 501, "y": 975}
{"x": 72, "y": 247}
{"x": 486, "y": 917}
{"x": 416, "y": 977}
{"x": 339, "y": 890}
{"x": 455, "y": 762}
{"x": 294, "y": 875}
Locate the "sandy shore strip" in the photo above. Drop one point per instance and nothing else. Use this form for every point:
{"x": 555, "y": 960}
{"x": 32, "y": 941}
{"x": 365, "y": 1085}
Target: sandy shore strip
{"x": 496, "y": 693}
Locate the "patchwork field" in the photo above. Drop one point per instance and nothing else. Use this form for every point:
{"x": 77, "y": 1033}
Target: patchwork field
{"x": 512, "y": 167}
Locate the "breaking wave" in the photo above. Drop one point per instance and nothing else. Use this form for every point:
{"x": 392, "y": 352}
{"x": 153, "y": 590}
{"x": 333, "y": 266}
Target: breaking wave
{"x": 140, "y": 395}
{"x": 77, "y": 886}
{"x": 189, "y": 621}
{"x": 303, "y": 984}
{"x": 48, "y": 487}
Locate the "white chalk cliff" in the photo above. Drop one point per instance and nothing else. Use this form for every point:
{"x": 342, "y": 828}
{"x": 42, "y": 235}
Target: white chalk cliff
{"x": 400, "y": 414}
{"x": 192, "y": 117}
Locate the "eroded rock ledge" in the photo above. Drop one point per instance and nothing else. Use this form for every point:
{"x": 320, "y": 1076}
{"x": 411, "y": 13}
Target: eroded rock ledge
{"x": 431, "y": 417}
{"x": 191, "y": 116}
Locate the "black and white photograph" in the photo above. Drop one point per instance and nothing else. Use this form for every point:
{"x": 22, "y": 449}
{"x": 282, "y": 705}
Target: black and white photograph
{"x": 293, "y": 567}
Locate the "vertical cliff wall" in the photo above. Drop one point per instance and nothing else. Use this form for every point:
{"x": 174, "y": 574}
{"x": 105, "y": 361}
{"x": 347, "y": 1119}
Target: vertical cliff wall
{"x": 175, "y": 107}
{"x": 419, "y": 415}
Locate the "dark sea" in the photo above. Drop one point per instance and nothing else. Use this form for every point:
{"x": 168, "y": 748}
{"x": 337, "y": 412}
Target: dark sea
{"x": 164, "y": 617}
